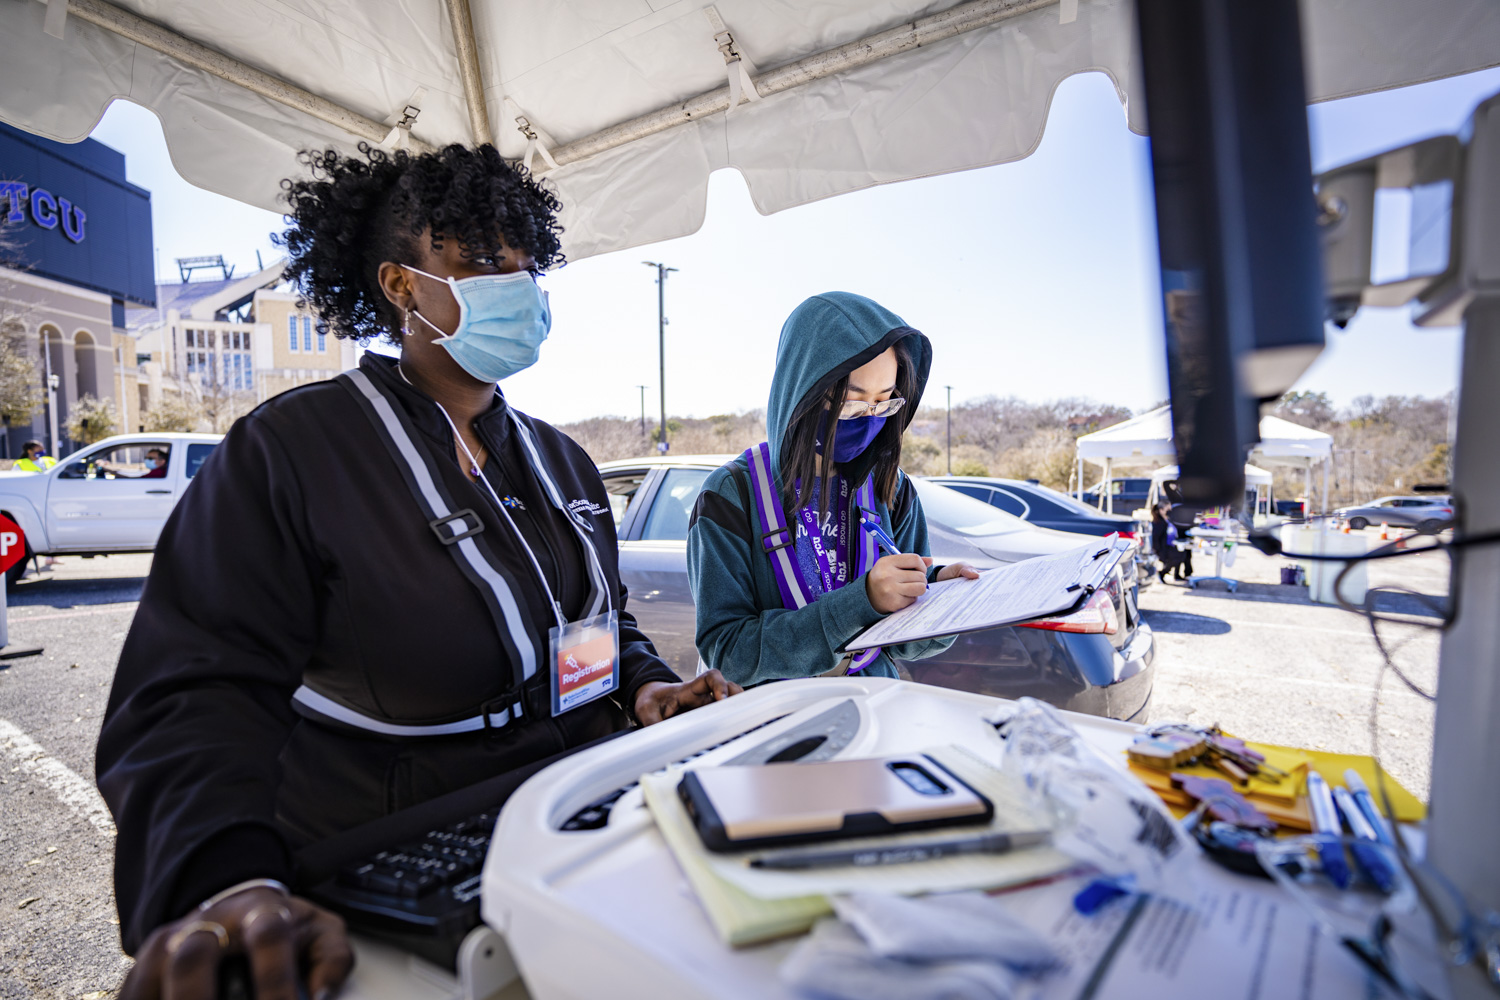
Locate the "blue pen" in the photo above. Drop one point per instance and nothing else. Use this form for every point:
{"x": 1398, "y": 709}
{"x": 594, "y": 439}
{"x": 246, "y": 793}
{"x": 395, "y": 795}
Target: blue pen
{"x": 1370, "y": 860}
{"x": 1327, "y": 829}
{"x": 881, "y": 538}
{"x": 1366, "y": 803}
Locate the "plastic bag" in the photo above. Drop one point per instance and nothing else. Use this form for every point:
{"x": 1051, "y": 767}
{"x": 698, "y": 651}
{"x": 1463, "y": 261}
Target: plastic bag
{"x": 1105, "y": 815}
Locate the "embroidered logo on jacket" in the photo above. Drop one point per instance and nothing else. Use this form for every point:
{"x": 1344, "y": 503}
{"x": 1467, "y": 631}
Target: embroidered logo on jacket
{"x": 586, "y": 505}
{"x": 513, "y": 502}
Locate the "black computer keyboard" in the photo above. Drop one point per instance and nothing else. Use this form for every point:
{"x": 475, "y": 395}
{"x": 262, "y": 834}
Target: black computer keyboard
{"x": 422, "y": 893}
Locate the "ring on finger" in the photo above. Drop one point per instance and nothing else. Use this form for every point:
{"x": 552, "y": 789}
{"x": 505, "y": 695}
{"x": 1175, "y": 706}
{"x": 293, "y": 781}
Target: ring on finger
{"x": 262, "y": 910}
{"x": 197, "y": 927}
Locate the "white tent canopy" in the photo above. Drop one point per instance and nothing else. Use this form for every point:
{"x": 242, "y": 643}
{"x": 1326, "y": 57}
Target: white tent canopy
{"x": 628, "y": 97}
{"x": 1146, "y": 440}
{"x": 1254, "y": 475}
{"x": 1257, "y": 480}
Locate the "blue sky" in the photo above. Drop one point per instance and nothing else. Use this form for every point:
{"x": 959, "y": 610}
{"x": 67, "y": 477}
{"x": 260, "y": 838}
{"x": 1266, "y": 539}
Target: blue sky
{"x": 1035, "y": 279}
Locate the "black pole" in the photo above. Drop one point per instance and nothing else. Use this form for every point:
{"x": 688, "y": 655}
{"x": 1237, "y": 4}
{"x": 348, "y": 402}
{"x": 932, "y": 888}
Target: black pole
{"x": 662, "y": 271}
{"x": 950, "y": 428}
{"x": 643, "y": 409}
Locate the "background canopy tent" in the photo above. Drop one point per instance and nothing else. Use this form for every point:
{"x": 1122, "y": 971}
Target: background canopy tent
{"x": 627, "y": 98}
{"x": 1145, "y": 441}
{"x": 1257, "y": 480}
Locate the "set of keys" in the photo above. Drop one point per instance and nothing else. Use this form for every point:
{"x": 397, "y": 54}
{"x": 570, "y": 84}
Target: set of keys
{"x": 1168, "y": 747}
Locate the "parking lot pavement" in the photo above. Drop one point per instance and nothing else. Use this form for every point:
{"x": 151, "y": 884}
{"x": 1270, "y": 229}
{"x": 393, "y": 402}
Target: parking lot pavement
{"x": 58, "y": 934}
{"x": 1268, "y": 664}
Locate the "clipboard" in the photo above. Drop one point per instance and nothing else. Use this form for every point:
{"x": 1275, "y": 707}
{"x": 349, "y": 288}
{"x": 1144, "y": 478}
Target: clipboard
{"x": 1039, "y": 587}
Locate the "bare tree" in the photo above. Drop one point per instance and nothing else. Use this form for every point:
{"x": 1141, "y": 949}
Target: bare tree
{"x": 173, "y": 412}
{"x": 20, "y": 366}
{"x": 91, "y": 419}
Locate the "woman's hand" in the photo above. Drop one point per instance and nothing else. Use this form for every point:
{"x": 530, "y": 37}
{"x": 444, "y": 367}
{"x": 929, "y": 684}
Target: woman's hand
{"x": 658, "y": 700}
{"x": 954, "y": 570}
{"x": 896, "y": 581}
{"x": 278, "y": 934}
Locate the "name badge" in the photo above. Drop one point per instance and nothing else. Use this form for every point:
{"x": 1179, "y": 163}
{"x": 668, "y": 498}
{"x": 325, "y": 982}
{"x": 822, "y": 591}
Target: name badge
{"x": 585, "y": 658}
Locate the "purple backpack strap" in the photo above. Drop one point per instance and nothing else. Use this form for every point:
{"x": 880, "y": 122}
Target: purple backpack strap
{"x": 776, "y": 538}
{"x": 865, "y": 502}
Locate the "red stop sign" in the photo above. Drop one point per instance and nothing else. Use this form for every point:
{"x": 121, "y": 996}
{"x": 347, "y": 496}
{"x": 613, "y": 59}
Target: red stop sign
{"x": 12, "y": 543}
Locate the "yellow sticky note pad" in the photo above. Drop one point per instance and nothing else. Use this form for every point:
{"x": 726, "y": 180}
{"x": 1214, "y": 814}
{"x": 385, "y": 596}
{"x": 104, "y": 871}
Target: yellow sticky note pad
{"x": 1409, "y": 808}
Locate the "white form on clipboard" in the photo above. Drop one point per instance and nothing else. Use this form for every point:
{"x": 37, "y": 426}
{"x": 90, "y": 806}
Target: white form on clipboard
{"x": 1008, "y": 595}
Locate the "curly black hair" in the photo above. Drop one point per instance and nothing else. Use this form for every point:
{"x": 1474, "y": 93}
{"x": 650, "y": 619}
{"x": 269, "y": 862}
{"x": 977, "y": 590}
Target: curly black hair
{"x": 352, "y": 214}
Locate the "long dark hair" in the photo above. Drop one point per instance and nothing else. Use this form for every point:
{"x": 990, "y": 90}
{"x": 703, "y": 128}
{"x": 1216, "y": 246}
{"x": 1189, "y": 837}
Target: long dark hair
{"x": 800, "y": 459}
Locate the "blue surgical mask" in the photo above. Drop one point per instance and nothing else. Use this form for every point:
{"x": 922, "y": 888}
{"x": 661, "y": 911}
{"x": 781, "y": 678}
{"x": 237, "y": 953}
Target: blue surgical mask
{"x": 851, "y": 437}
{"x": 502, "y": 321}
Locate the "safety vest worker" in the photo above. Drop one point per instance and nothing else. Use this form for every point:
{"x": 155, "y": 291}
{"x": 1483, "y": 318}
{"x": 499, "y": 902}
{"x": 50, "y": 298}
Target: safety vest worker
{"x": 36, "y": 458}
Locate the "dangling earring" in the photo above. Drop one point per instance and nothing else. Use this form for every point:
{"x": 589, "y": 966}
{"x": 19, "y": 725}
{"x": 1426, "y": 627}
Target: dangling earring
{"x": 406, "y": 323}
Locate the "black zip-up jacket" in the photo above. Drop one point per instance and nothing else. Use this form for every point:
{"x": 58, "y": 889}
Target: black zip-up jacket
{"x": 299, "y": 555}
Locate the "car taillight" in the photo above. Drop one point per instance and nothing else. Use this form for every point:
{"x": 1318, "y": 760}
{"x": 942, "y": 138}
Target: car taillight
{"x": 1096, "y": 616}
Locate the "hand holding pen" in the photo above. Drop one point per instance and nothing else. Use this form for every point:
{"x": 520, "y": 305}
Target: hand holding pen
{"x": 898, "y": 579}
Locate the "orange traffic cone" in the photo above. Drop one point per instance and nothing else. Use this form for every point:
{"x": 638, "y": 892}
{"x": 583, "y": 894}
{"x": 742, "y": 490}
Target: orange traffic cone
{"x": 1346, "y": 529}
{"x": 1385, "y": 532}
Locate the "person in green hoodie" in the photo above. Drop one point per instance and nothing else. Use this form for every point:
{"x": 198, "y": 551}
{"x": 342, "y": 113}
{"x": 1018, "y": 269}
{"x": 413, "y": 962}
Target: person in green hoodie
{"x": 785, "y": 542}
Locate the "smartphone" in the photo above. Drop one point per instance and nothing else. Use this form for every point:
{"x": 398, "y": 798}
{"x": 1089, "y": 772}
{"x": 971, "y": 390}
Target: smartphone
{"x": 766, "y": 805}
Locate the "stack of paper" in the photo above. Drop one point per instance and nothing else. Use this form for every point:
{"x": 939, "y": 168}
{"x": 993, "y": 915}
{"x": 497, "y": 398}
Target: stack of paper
{"x": 748, "y": 905}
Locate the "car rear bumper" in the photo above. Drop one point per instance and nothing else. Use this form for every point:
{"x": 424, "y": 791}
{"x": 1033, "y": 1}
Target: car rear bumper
{"x": 1081, "y": 673}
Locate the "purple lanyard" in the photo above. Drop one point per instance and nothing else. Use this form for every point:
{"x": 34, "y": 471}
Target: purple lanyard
{"x": 834, "y": 572}
{"x": 777, "y": 539}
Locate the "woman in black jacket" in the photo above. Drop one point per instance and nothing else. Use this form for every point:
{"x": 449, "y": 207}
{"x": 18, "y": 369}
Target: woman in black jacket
{"x": 372, "y": 592}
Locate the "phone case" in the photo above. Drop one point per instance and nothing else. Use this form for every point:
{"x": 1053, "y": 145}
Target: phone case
{"x": 737, "y": 808}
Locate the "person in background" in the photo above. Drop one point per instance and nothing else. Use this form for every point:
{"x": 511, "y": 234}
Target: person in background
{"x": 782, "y": 567}
{"x": 156, "y": 466}
{"x": 34, "y": 458}
{"x": 1164, "y": 544}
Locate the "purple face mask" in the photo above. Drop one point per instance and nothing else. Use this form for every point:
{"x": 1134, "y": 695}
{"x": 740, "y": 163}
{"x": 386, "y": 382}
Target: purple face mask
{"x": 851, "y": 437}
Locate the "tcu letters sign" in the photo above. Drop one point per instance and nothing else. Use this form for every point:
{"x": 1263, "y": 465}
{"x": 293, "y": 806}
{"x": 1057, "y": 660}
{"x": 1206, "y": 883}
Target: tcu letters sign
{"x": 12, "y": 543}
{"x": 47, "y": 211}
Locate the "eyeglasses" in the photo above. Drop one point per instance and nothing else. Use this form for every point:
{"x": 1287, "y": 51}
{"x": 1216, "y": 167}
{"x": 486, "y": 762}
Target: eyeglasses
{"x": 853, "y": 409}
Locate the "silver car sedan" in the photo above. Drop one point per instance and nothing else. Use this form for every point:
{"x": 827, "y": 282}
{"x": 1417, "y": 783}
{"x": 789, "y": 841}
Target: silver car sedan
{"x": 1107, "y": 675}
{"x": 1429, "y": 513}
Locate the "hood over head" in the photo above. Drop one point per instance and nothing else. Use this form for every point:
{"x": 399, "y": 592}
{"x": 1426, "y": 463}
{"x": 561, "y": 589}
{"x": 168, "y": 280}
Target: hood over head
{"x": 825, "y": 338}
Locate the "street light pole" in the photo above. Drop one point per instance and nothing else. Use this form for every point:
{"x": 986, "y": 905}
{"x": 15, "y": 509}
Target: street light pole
{"x": 950, "y": 428}
{"x": 51, "y": 396}
{"x": 643, "y": 409}
{"x": 662, "y": 271}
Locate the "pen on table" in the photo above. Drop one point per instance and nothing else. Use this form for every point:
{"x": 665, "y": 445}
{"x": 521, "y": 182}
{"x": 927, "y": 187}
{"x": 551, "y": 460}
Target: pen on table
{"x": 1366, "y": 855}
{"x": 1366, "y": 803}
{"x": 1327, "y": 829}
{"x": 881, "y": 538}
{"x": 866, "y": 857}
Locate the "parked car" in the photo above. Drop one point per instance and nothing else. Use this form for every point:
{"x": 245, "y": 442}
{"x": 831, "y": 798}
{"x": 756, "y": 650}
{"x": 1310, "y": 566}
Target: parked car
{"x": 1429, "y": 513}
{"x": 1130, "y": 493}
{"x": 1295, "y": 510}
{"x": 108, "y": 497}
{"x": 1109, "y": 675}
{"x": 1048, "y": 508}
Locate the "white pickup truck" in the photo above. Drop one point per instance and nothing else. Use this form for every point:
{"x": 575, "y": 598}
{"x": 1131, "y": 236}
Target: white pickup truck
{"x": 113, "y": 496}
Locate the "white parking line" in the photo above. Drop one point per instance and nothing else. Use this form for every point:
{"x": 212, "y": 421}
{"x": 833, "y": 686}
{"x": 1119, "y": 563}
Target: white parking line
{"x": 76, "y": 793}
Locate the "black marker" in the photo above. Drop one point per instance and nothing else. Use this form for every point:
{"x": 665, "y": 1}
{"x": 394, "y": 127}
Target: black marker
{"x": 994, "y": 843}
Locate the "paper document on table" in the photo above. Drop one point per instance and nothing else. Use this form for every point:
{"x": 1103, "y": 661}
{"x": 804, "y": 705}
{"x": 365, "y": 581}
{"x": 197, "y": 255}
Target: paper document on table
{"x": 1021, "y": 592}
{"x": 1244, "y": 940}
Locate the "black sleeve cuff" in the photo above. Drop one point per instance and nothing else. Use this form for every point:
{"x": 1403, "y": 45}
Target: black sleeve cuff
{"x": 228, "y": 858}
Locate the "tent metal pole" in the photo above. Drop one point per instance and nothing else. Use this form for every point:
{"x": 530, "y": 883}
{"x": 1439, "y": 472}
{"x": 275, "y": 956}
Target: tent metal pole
{"x": 468, "y": 67}
{"x": 201, "y": 57}
{"x": 872, "y": 48}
